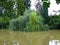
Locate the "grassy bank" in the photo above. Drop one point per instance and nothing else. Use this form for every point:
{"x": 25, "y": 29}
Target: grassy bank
{"x": 28, "y": 38}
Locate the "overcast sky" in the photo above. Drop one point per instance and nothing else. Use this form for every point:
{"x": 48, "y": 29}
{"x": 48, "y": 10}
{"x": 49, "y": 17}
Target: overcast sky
{"x": 53, "y": 6}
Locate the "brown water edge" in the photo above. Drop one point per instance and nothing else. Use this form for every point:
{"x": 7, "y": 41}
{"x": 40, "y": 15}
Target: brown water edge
{"x": 28, "y": 38}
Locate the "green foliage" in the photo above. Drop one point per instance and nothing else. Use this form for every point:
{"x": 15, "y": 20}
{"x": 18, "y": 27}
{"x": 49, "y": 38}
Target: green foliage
{"x": 54, "y": 19}
{"x": 45, "y": 12}
{"x": 45, "y": 28}
{"x": 33, "y": 24}
{"x": 47, "y": 4}
{"x": 57, "y": 1}
{"x": 27, "y": 3}
{"x": 36, "y": 23}
{"x": 29, "y": 22}
{"x": 9, "y": 4}
{"x": 12, "y": 24}
{"x": 9, "y": 12}
{"x": 20, "y": 22}
{"x": 54, "y": 22}
{"x": 21, "y": 7}
{"x": 58, "y": 19}
{"x": 4, "y": 21}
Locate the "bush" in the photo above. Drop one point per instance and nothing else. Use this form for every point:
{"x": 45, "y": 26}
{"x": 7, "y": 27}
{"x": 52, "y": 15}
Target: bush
{"x": 22, "y": 20}
{"x": 4, "y": 22}
{"x": 12, "y": 24}
{"x": 18, "y": 24}
{"x": 29, "y": 22}
{"x": 36, "y": 23}
{"x": 33, "y": 22}
{"x": 54, "y": 22}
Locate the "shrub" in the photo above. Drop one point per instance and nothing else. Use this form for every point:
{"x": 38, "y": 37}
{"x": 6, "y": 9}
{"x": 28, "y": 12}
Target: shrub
{"x": 30, "y": 21}
{"x": 19, "y": 23}
{"x": 12, "y": 24}
{"x": 4, "y": 22}
{"x": 36, "y": 23}
{"x": 54, "y": 22}
{"x": 22, "y": 20}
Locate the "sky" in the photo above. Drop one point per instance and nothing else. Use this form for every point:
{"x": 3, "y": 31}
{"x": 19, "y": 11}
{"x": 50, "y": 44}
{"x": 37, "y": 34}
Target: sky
{"x": 33, "y": 4}
{"x": 53, "y": 9}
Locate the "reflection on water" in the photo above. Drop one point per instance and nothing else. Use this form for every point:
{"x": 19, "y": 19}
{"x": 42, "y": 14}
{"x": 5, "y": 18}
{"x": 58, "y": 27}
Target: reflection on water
{"x": 54, "y": 42}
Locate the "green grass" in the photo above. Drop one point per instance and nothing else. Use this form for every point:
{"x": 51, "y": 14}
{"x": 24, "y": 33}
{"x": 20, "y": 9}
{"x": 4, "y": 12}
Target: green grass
{"x": 29, "y": 38}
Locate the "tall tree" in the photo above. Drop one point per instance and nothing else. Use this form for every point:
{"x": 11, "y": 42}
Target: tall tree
{"x": 46, "y": 4}
{"x": 13, "y": 8}
{"x": 20, "y": 7}
{"x": 9, "y": 4}
{"x": 43, "y": 9}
